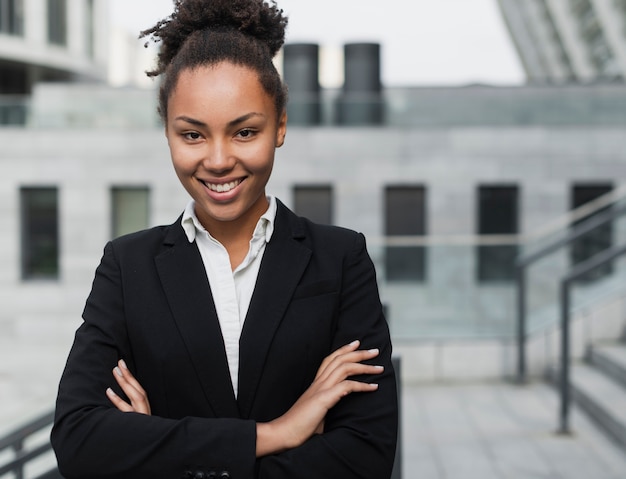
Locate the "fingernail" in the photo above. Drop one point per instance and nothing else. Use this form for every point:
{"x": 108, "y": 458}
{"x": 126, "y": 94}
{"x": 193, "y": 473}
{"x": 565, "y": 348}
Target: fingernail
{"x": 374, "y": 351}
{"x": 380, "y": 367}
{"x": 110, "y": 392}
{"x": 123, "y": 364}
{"x": 118, "y": 371}
{"x": 374, "y": 385}
{"x": 355, "y": 343}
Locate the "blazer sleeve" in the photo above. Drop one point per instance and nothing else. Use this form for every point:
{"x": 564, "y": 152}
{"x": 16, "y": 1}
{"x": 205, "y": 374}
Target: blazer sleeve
{"x": 92, "y": 439}
{"x": 360, "y": 434}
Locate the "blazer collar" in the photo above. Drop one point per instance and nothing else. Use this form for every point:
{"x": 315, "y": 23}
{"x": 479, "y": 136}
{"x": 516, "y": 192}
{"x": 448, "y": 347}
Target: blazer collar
{"x": 186, "y": 287}
{"x": 283, "y": 264}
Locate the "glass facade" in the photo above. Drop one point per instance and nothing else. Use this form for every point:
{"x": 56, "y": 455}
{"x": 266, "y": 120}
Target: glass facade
{"x": 39, "y": 233}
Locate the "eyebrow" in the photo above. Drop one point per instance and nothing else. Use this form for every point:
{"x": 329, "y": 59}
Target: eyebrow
{"x": 231, "y": 123}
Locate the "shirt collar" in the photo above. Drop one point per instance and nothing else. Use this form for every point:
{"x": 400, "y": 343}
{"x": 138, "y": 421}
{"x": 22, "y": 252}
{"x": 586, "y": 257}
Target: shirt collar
{"x": 265, "y": 226}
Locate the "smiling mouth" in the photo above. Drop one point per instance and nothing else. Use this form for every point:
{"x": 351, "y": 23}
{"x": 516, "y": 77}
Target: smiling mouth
{"x": 222, "y": 187}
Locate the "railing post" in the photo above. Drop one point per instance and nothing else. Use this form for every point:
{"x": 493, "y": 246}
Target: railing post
{"x": 18, "y": 447}
{"x": 397, "y": 465}
{"x": 521, "y": 322}
{"x": 564, "y": 383}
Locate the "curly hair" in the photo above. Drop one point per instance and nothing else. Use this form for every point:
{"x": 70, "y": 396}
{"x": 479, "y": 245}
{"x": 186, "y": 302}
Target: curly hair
{"x": 206, "y": 32}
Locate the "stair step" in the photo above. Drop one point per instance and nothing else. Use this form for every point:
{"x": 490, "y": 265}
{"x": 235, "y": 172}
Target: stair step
{"x": 602, "y": 398}
{"x": 611, "y": 360}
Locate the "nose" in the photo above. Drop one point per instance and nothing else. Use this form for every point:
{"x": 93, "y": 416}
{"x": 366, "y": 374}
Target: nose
{"x": 219, "y": 156}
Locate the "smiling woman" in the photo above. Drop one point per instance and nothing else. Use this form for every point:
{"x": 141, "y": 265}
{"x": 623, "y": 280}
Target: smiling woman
{"x": 240, "y": 341}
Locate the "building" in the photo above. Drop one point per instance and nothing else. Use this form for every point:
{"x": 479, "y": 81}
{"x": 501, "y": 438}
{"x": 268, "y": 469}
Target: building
{"x": 447, "y": 184}
{"x": 569, "y": 40}
{"x": 48, "y": 41}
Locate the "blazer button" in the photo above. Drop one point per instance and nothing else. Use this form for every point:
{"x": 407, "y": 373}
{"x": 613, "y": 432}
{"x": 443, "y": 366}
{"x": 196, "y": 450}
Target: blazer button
{"x": 224, "y": 475}
{"x": 211, "y": 475}
{"x": 199, "y": 475}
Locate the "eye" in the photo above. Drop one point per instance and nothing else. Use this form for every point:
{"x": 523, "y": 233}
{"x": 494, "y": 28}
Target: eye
{"x": 246, "y": 133}
{"x": 192, "y": 135}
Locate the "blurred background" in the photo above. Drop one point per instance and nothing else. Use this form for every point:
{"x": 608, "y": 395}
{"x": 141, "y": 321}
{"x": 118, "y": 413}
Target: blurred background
{"x": 479, "y": 145}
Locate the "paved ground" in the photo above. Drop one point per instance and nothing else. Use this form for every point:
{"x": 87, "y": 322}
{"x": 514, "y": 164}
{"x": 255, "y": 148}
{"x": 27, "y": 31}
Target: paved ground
{"x": 456, "y": 431}
{"x": 499, "y": 431}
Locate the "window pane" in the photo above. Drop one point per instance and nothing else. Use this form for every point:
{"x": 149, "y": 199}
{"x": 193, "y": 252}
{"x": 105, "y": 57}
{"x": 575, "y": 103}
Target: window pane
{"x": 130, "y": 210}
{"x": 57, "y": 22}
{"x": 595, "y": 241}
{"x": 11, "y": 17}
{"x": 40, "y": 233}
{"x": 314, "y": 203}
{"x": 497, "y": 215}
{"x": 89, "y": 28}
{"x": 405, "y": 215}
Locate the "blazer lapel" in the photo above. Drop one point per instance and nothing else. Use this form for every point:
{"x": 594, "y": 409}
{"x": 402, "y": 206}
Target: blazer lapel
{"x": 186, "y": 287}
{"x": 283, "y": 264}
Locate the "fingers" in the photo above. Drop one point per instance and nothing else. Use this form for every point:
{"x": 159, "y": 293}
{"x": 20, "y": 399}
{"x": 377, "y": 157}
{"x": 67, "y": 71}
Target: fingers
{"x": 136, "y": 394}
{"x": 347, "y": 353}
{"x": 346, "y": 362}
{"x": 118, "y": 402}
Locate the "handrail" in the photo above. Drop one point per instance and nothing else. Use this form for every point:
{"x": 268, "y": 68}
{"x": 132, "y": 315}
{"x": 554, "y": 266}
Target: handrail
{"x": 525, "y": 261}
{"x": 16, "y": 440}
{"x": 578, "y": 271}
{"x": 583, "y": 211}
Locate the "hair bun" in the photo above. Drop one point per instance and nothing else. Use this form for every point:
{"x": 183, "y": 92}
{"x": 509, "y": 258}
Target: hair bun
{"x": 256, "y": 18}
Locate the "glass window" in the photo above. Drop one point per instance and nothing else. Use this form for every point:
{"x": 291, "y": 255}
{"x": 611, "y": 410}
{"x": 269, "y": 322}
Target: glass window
{"x": 89, "y": 29}
{"x": 12, "y": 17}
{"x": 39, "y": 233}
{"x": 597, "y": 240}
{"x": 130, "y": 209}
{"x": 314, "y": 203}
{"x": 405, "y": 215}
{"x": 498, "y": 212}
{"x": 57, "y": 22}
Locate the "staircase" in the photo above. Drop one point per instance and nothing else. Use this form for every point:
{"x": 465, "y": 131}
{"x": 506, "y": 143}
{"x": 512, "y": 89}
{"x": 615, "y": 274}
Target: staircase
{"x": 598, "y": 386}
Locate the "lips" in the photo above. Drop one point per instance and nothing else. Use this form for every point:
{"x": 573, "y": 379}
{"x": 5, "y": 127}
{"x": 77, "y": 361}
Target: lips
{"x": 222, "y": 187}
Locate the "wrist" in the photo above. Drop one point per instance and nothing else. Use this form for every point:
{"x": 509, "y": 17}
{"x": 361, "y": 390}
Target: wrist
{"x": 269, "y": 439}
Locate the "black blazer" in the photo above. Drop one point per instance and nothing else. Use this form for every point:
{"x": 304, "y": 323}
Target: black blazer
{"x": 151, "y": 305}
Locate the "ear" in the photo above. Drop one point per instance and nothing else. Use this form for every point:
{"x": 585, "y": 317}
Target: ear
{"x": 281, "y": 131}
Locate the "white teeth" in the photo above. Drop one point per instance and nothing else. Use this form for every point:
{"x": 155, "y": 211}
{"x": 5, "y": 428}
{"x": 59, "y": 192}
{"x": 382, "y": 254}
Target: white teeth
{"x": 223, "y": 188}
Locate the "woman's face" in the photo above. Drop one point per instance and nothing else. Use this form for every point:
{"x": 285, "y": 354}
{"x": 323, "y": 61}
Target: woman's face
{"x": 222, "y": 130}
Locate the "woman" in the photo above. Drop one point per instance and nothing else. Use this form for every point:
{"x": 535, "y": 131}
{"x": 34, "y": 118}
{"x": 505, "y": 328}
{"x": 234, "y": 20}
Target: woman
{"x": 245, "y": 341}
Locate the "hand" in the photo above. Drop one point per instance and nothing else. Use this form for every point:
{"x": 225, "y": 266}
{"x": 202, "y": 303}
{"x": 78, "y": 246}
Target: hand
{"x": 138, "y": 398}
{"x": 306, "y": 417}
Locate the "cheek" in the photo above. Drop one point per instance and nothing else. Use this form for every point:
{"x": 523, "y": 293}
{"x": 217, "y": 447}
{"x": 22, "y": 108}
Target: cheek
{"x": 184, "y": 163}
{"x": 261, "y": 159}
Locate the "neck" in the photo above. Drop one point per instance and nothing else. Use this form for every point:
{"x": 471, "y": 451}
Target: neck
{"x": 240, "y": 230}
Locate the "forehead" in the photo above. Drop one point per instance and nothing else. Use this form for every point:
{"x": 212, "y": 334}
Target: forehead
{"x": 223, "y": 88}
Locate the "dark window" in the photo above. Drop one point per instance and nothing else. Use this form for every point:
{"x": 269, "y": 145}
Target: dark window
{"x": 40, "y": 233}
{"x": 597, "y": 240}
{"x": 130, "y": 209}
{"x": 57, "y": 22}
{"x": 498, "y": 212}
{"x": 12, "y": 17}
{"x": 314, "y": 203}
{"x": 405, "y": 215}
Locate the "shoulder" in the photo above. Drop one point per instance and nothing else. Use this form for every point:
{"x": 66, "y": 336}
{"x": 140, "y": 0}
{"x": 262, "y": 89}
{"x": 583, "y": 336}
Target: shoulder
{"x": 317, "y": 235}
{"x": 147, "y": 241}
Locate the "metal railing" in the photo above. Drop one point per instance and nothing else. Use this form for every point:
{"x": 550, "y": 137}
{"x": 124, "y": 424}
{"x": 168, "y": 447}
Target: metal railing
{"x": 577, "y": 272}
{"x": 525, "y": 262}
{"x": 17, "y": 440}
